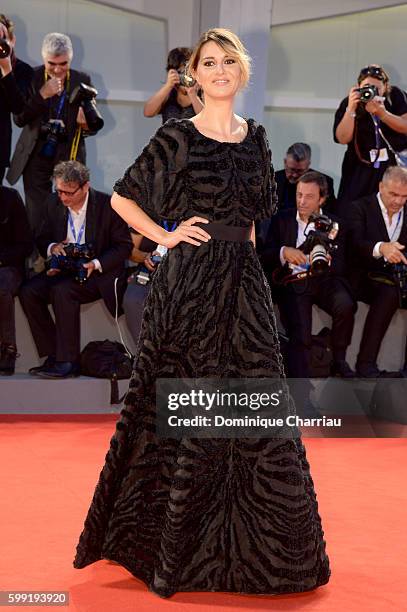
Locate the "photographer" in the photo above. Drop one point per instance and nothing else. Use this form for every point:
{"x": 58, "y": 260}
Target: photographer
{"x": 296, "y": 163}
{"x": 15, "y": 78}
{"x": 374, "y": 112}
{"x": 54, "y": 128}
{"x": 15, "y": 245}
{"x": 178, "y": 97}
{"x": 75, "y": 214}
{"x": 296, "y": 286}
{"x": 378, "y": 239}
{"x": 139, "y": 282}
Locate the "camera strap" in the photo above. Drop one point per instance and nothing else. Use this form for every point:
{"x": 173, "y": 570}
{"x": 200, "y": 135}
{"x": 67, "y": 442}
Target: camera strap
{"x": 376, "y": 121}
{"x": 75, "y": 144}
{"x": 77, "y": 239}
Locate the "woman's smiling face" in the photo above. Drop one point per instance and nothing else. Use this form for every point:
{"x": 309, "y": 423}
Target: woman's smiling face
{"x": 218, "y": 73}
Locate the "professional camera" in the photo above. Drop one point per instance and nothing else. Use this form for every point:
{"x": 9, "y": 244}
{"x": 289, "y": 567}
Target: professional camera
{"x": 52, "y": 132}
{"x": 143, "y": 276}
{"x": 367, "y": 93}
{"x": 5, "y": 48}
{"x": 185, "y": 80}
{"x": 319, "y": 242}
{"x": 85, "y": 95}
{"x": 72, "y": 262}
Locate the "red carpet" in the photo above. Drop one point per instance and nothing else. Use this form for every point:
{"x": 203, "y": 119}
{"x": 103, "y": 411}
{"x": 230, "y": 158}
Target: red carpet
{"x": 49, "y": 467}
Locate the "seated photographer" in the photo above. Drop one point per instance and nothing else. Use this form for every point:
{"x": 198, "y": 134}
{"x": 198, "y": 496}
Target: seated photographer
{"x": 15, "y": 78}
{"x": 75, "y": 215}
{"x": 178, "y": 97}
{"x": 305, "y": 268}
{"x": 57, "y": 115}
{"x": 146, "y": 258}
{"x": 378, "y": 240}
{"x": 15, "y": 245}
{"x": 372, "y": 122}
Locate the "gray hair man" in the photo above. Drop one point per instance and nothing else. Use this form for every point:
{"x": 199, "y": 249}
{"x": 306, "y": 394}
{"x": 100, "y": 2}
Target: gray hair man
{"x": 297, "y": 162}
{"x": 53, "y": 126}
{"x": 378, "y": 226}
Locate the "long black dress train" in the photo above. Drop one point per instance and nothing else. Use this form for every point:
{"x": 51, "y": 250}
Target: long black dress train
{"x": 234, "y": 515}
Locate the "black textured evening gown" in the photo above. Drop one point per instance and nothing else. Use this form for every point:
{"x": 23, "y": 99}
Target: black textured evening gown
{"x": 235, "y": 515}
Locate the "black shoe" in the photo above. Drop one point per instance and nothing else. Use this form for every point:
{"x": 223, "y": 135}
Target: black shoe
{"x": 372, "y": 371}
{"x": 8, "y": 357}
{"x": 60, "y": 369}
{"x": 49, "y": 362}
{"x": 342, "y": 369}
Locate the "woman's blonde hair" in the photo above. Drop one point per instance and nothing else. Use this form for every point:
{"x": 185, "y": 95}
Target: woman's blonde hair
{"x": 230, "y": 43}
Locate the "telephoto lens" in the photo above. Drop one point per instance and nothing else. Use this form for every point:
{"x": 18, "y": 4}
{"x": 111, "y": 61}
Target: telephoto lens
{"x": 5, "y": 49}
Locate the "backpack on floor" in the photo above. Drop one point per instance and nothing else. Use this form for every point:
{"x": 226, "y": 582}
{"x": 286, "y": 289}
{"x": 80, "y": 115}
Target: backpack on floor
{"x": 107, "y": 359}
{"x": 321, "y": 352}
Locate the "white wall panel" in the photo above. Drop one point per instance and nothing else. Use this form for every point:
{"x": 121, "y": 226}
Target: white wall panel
{"x": 313, "y": 64}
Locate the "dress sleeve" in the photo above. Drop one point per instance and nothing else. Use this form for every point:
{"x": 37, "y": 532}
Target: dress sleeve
{"x": 267, "y": 203}
{"x": 154, "y": 181}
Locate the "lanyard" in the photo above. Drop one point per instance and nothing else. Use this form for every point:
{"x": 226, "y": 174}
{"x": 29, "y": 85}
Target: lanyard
{"x": 61, "y": 104}
{"x": 78, "y": 239}
{"x": 376, "y": 122}
{"x": 395, "y": 229}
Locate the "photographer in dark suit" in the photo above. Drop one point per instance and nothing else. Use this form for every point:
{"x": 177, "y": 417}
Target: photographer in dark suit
{"x": 378, "y": 226}
{"x": 74, "y": 214}
{"x": 282, "y": 257}
{"x": 15, "y": 78}
{"x": 53, "y": 128}
{"x": 15, "y": 245}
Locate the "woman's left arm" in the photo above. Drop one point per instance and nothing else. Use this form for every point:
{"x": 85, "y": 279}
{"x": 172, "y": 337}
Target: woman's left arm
{"x": 395, "y": 122}
{"x": 398, "y": 123}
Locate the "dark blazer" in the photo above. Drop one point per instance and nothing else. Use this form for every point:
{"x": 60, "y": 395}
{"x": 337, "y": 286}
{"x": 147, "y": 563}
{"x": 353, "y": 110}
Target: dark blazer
{"x": 283, "y": 232}
{"x": 367, "y": 227}
{"x": 15, "y": 235}
{"x": 104, "y": 228}
{"x": 35, "y": 112}
{"x": 286, "y": 192}
{"x": 13, "y": 91}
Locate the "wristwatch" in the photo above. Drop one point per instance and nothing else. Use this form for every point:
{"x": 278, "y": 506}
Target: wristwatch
{"x": 353, "y": 115}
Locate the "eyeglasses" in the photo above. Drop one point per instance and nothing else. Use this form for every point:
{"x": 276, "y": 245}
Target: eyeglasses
{"x": 67, "y": 193}
{"x": 373, "y": 71}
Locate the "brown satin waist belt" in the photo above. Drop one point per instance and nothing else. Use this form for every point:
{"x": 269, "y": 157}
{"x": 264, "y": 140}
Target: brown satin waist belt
{"x": 233, "y": 233}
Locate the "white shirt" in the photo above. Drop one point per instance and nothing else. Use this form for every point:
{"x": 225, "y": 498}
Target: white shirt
{"x": 78, "y": 219}
{"x": 301, "y": 237}
{"x": 393, "y": 228}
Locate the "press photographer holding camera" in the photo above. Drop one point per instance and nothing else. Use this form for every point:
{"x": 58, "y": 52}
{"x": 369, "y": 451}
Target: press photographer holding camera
{"x": 178, "y": 97}
{"x": 146, "y": 258}
{"x": 88, "y": 244}
{"x": 15, "y": 78}
{"x": 304, "y": 260}
{"x": 372, "y": 122}
{"x": 378, "y": 230}
{"x": 55, "y": 120}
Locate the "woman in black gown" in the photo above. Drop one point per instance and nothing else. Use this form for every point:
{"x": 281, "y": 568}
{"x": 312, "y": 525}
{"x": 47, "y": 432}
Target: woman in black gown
{"x": 237, "y": 515}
